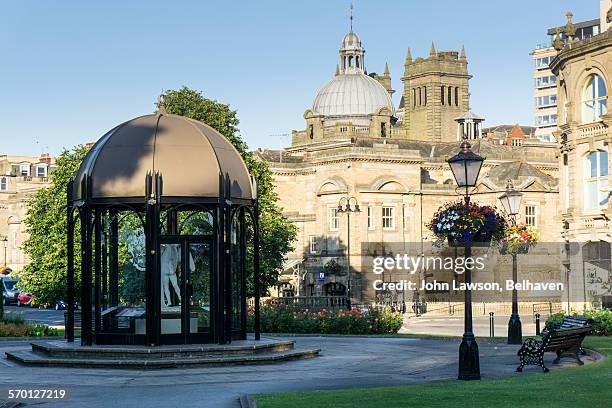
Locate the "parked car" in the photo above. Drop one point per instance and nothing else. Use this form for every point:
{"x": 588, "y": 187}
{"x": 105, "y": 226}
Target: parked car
{"x": 9, "y": 290}
{"x": 24, "y": 299}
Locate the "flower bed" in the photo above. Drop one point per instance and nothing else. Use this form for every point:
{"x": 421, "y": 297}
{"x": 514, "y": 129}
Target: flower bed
{"x": 287, "y": 319}
{"x": 17, "y": 327}
{"x": 461, "y": 223}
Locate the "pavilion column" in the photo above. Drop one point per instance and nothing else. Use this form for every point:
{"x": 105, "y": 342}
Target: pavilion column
{"x": 113, "y": 255}
{"x": 152, "y": 276}
{"x": 70, "y": 265}
{"x": 221, "y": 258}
{"x": 256, "y": 272}
{"x": 243, "y": 274}
{"x": 228, "y": 261}
{"x": 86, "y": 339}
{"x": 97, "y": 229}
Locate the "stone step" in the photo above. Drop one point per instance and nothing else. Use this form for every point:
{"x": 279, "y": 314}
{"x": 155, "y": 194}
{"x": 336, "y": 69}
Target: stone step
{"x": 31, "y": 358}
{"x": 61, "y": 349}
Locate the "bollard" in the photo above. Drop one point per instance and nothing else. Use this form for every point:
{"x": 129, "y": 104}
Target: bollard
{"x": 537, "y": 322}
{"x": 491, "y": 325}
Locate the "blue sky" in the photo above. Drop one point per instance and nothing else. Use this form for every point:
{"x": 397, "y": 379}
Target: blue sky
{"x": 72, "y": 69}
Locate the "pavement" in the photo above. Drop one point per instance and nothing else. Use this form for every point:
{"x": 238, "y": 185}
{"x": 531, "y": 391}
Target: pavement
{"x": 453, "y": 325}
{"x": 345, "y": 362}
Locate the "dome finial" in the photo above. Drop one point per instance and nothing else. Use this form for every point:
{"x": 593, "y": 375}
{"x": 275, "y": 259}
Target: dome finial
{"x": 351, "y": 16}
{"x": 432, "y": 51}
{"x": 161, "y": 100}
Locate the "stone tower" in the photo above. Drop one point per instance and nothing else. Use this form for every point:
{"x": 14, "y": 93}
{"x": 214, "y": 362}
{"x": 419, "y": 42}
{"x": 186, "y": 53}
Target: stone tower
{"x": 436, "y": 92}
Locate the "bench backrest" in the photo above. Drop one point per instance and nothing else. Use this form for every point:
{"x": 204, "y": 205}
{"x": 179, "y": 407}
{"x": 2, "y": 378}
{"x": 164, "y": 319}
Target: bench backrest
{"x": 565, "y": 337}
{"x": 572, "y": 321}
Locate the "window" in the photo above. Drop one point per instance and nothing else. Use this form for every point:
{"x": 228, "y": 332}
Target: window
{"x": 442, "y": 94}
{"x": 425, "y": 96}
{"x": 541, "y": 63}
{"x": 456, "y": 96}
{"x": 531, "y": 215}
{"x": 15, "y": 239}
{"x": 383, "y": 129}
{"x": 3, "y": 184}
{"x": 413, "y": 97}
{"x": 41, "y": 171}
{"x": 594, "y": 99}
{"x": 517, "y": 142}
{"x": 24, "y": 170}
{"x": 311, "y": 131}
{"x": 388, "y": 218}
{"x": 334, "y": 220}
{"x": 420, "y": 94}
{"x": 546, "y": 120}
{"x": 370, "y": 217}
{"x": 313, "y": 244}
{"x": 596, "y": 180}
{"x": 547, "y": 100}
{"x": 546, "y": 81}
{"x": 450, "y": 96}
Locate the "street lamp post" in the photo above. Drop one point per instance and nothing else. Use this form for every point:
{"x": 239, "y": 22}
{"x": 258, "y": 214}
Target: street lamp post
{"x": 511, "y": 201}
{"x": 348, "y": 205}
{"x": 465, "y": 166}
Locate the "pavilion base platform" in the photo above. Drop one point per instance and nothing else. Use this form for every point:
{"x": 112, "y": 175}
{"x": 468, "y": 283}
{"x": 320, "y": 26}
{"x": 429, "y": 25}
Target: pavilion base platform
{"x": 56, "y": 353}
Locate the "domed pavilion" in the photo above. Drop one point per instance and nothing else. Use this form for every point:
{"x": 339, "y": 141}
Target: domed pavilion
{"x": 165, "y": 207}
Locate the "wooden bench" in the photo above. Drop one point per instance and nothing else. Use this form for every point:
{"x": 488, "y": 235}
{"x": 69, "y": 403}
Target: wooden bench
{"x": 565, "y": 341}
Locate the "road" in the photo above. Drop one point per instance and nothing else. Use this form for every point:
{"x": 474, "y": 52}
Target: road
{"x": 50, "y": 317}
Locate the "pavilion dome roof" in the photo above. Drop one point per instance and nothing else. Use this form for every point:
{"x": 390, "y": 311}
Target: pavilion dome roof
{"x": 188, "y": 154}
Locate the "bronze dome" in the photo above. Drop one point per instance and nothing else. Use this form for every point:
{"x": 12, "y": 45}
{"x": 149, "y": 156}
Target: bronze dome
{"x": 188, "y": 155}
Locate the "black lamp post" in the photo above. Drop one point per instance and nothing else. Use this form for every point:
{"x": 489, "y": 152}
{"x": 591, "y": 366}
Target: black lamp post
{"x": 511, "y": 201}
{"x": 348, "y": 205}
{"x": 465, "y": 166}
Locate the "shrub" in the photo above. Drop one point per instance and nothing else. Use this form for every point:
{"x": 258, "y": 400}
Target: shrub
{"x": 602, "y": 321}
{"x": 286, "y": 319}
{"x": 17, "y": 327}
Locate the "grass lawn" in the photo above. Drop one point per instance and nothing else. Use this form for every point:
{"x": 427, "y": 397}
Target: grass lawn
{"x": 587, "y": 386}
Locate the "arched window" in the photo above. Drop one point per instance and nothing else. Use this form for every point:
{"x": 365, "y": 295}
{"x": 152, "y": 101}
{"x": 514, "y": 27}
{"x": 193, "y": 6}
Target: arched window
{"x": 596, "y": 180}
{"x": 420, "y": 96}
{"x": 357, "y": 61}
{"x": 3, "y": 184}
{"x": 350, "y": 61}
{"x": 413, "y": 97}
{"x": 594, "y": 99}
{"x": 457, "y": 96}
{"x": 442, "y": 94}
{"x": 450, "y": 95}
{"x": 425, "y": 96}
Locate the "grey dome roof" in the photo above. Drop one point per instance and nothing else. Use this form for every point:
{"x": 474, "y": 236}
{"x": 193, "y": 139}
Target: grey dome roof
{"x": 188, "y": 154}
{"x": 351, "y": 94}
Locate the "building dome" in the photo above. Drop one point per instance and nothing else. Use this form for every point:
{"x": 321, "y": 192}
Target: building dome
{"x": 351, "y": 95}
{"x": 189, "y": 156}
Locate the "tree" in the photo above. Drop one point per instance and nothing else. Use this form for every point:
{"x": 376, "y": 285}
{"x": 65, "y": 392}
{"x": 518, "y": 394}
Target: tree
{"x": 276, "y": 232}
{"x": 45, "y": 276}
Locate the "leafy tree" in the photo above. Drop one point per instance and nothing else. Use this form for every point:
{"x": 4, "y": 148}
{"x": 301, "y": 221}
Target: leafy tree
{"x": 276, "y": 232}
{"x": 45, "y": 276}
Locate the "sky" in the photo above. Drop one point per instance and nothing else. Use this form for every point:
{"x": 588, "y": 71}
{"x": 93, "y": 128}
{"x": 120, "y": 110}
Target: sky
{"x": 71, "y": 70}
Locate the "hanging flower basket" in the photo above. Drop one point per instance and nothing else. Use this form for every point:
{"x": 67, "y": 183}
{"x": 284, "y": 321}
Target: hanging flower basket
{"x": 518, "y": 240}
{"x": 467, "y": 225}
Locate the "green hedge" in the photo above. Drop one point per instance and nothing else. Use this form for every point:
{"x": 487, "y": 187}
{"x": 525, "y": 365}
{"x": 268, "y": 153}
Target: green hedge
{"x": 18, "y": 327}
{"x": 286, "y": 319}
{"x": 602, "y": 320}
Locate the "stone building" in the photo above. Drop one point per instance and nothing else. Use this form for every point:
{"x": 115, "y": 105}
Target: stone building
{"x": 355, "y": 144}
{"x": 20, "y": 178}
{"x": 584, "y": 71}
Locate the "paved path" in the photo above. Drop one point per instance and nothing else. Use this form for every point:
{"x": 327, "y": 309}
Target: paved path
{"x": 51, "y": 317}
{"x": 453, "y": 325}
{"x": 344, "y": 362}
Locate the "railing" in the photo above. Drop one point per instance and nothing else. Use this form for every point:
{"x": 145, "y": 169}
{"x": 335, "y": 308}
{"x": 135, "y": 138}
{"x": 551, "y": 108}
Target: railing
{"x": 312, "y": 302}
{"x": 546, "y": 308}
{"x": 592, "y": 130}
